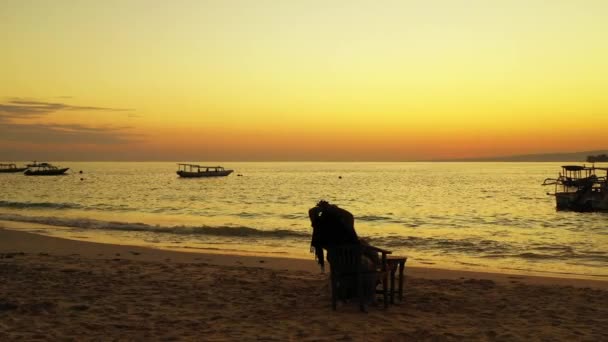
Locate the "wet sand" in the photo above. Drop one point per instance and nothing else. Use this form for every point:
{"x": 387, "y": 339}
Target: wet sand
{"x": 56, "y": 289}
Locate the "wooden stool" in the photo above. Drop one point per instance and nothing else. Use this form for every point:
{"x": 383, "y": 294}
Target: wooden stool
{"x": 395, "y": 262}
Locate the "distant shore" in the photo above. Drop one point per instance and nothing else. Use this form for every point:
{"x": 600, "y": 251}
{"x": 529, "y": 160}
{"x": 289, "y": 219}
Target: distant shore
{"x": 56, "y": 289}
{"x": 576, "y": 157}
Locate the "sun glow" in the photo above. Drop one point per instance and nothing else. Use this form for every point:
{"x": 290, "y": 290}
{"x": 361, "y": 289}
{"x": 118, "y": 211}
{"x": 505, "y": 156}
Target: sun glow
{"x": 271, "y": 80}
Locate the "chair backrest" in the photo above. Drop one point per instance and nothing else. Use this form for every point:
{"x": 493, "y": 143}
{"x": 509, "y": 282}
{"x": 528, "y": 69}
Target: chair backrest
{"x": 345, "y": 258}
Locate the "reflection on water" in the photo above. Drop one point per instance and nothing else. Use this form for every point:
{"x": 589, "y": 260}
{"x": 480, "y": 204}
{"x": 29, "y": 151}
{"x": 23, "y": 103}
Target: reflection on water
{"x": 457, "y": 215}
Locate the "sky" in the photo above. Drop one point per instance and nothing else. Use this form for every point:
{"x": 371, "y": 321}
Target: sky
{"x": 266, "y": 80}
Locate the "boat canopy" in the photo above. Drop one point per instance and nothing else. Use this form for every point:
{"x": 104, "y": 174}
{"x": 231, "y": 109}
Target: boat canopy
{"x": 36, "y": 164}
{"x": 42, "y": 166}
{"x": 196, "y": 166}
{"x": 574, "y": 167}
{"x": 581, "y": 168}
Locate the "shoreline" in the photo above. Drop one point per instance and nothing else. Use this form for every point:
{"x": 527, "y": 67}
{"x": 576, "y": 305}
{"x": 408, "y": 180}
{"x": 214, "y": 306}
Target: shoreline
{"x": 14, "y": 241}
{"x": 511, "y": 251}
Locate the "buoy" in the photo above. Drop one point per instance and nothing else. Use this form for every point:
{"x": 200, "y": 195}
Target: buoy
{"x": 339, "y": 177}
{"x": 81, "y": 179}
{"x": 80, "y": 171}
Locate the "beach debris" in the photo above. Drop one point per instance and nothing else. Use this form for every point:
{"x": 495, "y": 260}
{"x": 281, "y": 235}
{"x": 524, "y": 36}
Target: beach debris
{"x": 38, "y": 308}
{"x": 7, "y": 306}
{"x": 79, "y": 307}
{"x": 11, "y": 255}
{"x": 483, "y": 283}
{"x": 134, "y": 253}
{"x": 69, "y": 270}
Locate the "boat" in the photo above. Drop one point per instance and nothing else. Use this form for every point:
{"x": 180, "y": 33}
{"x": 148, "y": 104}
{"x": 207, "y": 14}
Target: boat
{"x": 195, "y": 171}
{"x": 11, "y": 168}
{"x": 580, "y": 188}
{"x": 44, "y": 169}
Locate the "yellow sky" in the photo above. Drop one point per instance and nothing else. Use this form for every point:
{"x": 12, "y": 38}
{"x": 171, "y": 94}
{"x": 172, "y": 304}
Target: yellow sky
{"x": 301, "y": 80}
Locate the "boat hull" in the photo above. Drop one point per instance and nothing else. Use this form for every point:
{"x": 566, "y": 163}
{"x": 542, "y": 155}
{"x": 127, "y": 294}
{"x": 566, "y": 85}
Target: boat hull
{"x": 19, "y": 169}
{"x": 186, "y": 174}
{"x": 573, "y": 201}
{"x": 55, "y": 172}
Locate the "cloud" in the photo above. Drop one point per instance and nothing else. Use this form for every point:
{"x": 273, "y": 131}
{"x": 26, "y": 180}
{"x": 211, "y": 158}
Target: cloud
{"x": 24, "y": 109}
{"x": 50, "y": 133}
{"x": 66, "y": 134}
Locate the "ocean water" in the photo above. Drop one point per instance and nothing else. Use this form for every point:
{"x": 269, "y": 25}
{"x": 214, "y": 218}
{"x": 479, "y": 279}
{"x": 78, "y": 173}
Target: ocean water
{"x": 475, "y": 216}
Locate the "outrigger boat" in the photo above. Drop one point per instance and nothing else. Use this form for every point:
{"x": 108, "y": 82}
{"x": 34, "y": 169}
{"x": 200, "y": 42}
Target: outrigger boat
{"x": 44, "y": 169}
{"x": 10, "y": 168}
{"x": 195, "y": 171}
{"x": 579, "y": 188}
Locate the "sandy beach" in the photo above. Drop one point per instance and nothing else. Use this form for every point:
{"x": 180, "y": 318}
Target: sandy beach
{"x": 56, "y": 289}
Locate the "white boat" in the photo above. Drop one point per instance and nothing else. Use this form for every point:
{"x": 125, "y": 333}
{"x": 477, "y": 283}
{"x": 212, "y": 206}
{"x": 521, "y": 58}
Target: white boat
{"x": 579, "y": 188}
{"x": 196, "y": 171}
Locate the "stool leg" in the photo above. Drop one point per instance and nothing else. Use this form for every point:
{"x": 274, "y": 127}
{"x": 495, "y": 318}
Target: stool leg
{"x": 393, "y": 286}
{"x": 401, "y": 268}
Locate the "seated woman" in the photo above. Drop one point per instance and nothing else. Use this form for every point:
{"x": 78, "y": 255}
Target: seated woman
{"x": 333, "y": 227}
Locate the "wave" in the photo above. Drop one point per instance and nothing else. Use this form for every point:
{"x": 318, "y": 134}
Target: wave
{"x": 24, "y": 205}
{"x": 492, "y": 249}
{"x": 372, "y": 218}
{"x": 466, "y": 246}
{"x": 222, "y": 231}
{"x": 126, "y": 208}
{"x": 582, "y": 256}
{"x": 50, "y": 205}
{"x": 481, "y": 248}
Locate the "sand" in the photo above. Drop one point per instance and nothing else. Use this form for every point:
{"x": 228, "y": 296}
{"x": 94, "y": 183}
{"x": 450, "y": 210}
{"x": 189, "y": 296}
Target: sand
{"x": 56, "y": 289}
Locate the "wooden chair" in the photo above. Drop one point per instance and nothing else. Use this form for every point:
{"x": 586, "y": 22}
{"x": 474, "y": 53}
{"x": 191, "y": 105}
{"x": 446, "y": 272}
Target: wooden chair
{"x": 356, "y": 268}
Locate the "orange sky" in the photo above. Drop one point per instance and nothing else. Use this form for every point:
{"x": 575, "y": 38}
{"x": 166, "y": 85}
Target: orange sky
{"x": 287, "y": 80}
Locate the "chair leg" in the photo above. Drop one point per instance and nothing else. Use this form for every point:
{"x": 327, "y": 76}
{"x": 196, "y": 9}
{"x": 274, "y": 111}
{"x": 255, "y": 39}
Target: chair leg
{"x": 334, "y": 295}
{"x": 385, "y": 290}
{"x": 401, "y": 269}
{"x": 360, "y": 293}
{"x": 392, "y": 289}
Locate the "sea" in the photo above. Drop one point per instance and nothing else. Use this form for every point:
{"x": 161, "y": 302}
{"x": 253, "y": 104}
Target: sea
{"x": 465, "y": 216}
